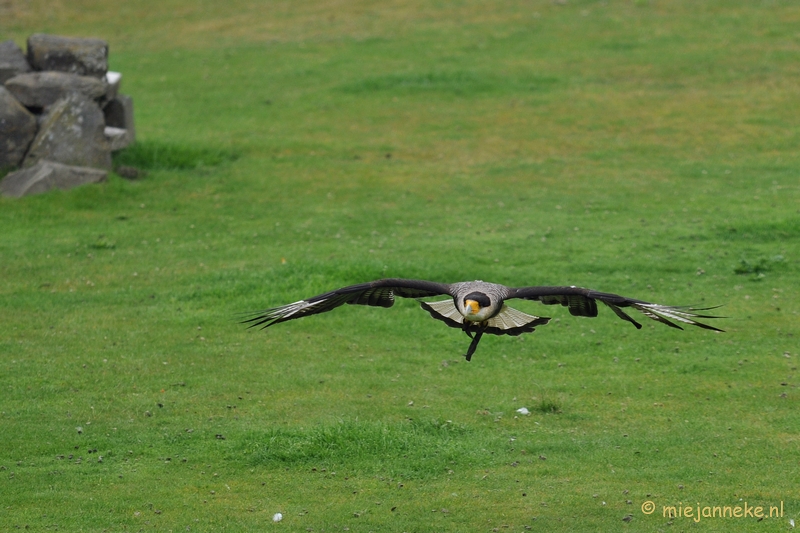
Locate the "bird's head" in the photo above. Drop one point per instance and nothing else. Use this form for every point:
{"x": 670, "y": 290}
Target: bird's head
{"x": 476, "y": 305}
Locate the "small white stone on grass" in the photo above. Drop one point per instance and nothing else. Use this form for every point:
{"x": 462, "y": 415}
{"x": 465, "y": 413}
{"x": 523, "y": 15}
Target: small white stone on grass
{"x": 277, "y": 517}
{"x": 523, "y": 411}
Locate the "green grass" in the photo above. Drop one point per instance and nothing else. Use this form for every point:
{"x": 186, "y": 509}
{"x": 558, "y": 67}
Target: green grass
{"x": 645, "y": 148}
{"x": 149, "y": 155}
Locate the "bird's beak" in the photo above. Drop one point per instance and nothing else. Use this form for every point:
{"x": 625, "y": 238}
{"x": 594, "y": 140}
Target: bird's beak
{"x": 473, "y": 305}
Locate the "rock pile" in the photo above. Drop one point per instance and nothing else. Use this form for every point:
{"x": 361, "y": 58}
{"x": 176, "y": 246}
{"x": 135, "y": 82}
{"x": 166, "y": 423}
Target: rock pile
{"x": 61, "y": 114}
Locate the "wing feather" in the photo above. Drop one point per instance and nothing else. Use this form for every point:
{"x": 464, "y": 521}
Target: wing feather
{"x": 378, "y": 293}
{"x": 583, "y": 302}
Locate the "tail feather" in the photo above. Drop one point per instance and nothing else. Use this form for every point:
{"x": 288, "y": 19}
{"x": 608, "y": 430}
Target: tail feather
{"x": 507, "y": 322}
{"x": 513, "y": 322}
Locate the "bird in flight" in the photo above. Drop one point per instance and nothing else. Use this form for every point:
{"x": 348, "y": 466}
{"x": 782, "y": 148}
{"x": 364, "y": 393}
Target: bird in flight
{"x": 478, "y": 307}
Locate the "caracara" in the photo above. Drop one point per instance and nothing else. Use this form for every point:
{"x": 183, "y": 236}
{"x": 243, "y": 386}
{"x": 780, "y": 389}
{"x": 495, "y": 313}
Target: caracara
{"x": 478, "y": 307}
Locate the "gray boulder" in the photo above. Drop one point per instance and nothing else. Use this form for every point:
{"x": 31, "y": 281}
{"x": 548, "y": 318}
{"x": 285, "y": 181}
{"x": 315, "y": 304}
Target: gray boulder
{"x": 87, "y": 57}
{"x": 12, "y": 61}
{"x": 47, "y": 175}
{"x": 71, "y": 132}
{"x": 113, "y": 81}
{"x": 41, "y": 89}
{"x": 17, "y": 130}
{"x": 117, "y": 138}
{"x": 119, "y": 114}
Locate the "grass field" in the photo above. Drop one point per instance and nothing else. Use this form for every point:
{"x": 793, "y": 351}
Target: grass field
{"x": 648, "y": 148}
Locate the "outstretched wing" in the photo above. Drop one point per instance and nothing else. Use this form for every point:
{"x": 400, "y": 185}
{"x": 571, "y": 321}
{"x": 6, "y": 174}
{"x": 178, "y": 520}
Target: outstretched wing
{"x": 583, "y": 302}
{"x": 379, "y": 293}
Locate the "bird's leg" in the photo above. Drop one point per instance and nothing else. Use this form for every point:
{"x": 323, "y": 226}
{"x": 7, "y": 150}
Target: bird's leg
{"x": 474, "y": 344}
{"x": 466, "y": 330}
